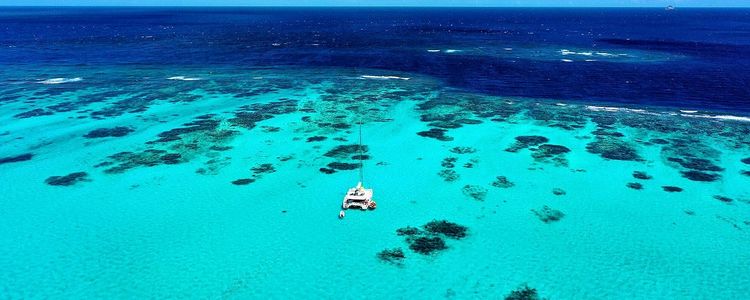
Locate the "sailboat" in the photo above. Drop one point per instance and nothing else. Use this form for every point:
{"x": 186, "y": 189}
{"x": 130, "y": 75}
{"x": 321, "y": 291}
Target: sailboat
{"x": 358, "y": 196}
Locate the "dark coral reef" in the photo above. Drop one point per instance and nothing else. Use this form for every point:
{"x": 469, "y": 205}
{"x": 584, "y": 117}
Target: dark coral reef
{"x": 393, "y": 256}
{"x": 524, "y": 292}
{"x": 502, "y": 182}
{"x": 548, "y": 215}
{"x": 526, "y": 141}
{"x": 68, "y": 180}
{"x": 475, "y": 192}
{"x": 430, "y": 238}
{"x": 118, "y": 131}
{"x": 17, "y": 158}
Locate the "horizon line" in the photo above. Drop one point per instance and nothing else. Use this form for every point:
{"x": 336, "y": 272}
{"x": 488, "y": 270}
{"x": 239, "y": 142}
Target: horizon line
{"x": 364, "y": 6}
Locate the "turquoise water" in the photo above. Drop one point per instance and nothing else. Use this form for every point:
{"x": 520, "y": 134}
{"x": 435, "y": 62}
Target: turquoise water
{"x": 164, "y": 220}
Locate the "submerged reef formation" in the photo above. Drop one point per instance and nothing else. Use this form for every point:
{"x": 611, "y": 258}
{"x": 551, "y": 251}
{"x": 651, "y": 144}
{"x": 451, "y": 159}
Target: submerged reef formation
{"x": 68, "y": 180}
{"x": 549, "y": 152}
{"x": 475, "y": 192}
{"x": 523, "y": 292}
{"x": 343, "y": 166}
{"x": 408, "y": 231}
{"x": 671, "y": 189}
{"x": 449, "y": 162}
{"x": 613, "y": 148}
{"x": 472, "y": 162}
{"x": 430, "y": 239}
{"x": 205, "y": 125}
{"x": 316, "y": 138}
{"x": 249, "y": 115}
{"x": 258, "y": 172}
{"x": 526, "y": 141}
{"x": 243, "y": 181}
{"x": 427, "y": 240}
{"x": 393, "y": 256}
{"x": 213, "y": 166}
{"x": 448, "y": 175}
{"x": 541, "y": 151}
{"x": 463, "y": 150}
{"x": 700, "y": 176}
{"x": 426, "y": 245}
{"x": 327, "y": 170}
{"x": 263, "y": 169}
{"x": 17, "y": 158}
{"x": 34, "y": 113}
{"x": 547, "y": 214}
{"x": 202, "y": 135}
{"x": 269, "y": 129}
{"x": 123, "y": 161}
{"x": 448, "y": 229}
{"x": 342, "y": 152}
{"x": 724, "y": 199}
{"x": 118, "y": 131}
{"x": 635, "y": 185}
{"x": 502, "y": 182}
{"x": 449, "y": 111}
{"x": 436, "y": 133}
{"x": 641, "y": 175}
{"x": 558, "y": 192}
{"x": 696, "y": 161}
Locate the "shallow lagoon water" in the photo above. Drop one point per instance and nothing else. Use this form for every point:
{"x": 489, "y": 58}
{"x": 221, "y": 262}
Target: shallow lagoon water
{"x": 165, "y": 219}
{"x": 589, "y": 154}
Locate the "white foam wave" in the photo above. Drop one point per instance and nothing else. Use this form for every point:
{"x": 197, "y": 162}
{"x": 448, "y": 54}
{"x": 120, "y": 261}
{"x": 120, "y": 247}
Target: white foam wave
{"x": 433, "y": 50}
{"x": 184, "y": 78}
{"x": 616, "y": 109}
{"x": 383, "y": 77}
{"x": 719, "y": 117}
{"x": 602, "y": 108}
{"x": 567, "y": 60}
{"x": 589, "y": 53}
{"x": 452, "y": 51}
{"x": 684, "y": 113}
{"x": 60, "y": 80}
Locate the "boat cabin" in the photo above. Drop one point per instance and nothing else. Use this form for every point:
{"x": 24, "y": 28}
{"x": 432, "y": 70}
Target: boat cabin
{"x": 359, "y": 197}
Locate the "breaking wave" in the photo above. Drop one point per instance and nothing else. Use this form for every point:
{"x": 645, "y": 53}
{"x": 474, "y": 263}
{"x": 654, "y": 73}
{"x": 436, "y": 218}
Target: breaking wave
{"x": 383, "y": 77}
{"x": 60, "y": 80}
{"x": 184, "y": 78}
{"x": 683, "y": 113}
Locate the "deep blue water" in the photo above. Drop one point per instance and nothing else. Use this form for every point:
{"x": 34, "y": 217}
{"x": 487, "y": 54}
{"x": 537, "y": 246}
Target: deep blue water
{"x": 703, "y": 55}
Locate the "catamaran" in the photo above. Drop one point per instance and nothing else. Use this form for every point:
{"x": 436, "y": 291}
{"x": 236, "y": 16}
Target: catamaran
{"x": 358, "y": 196}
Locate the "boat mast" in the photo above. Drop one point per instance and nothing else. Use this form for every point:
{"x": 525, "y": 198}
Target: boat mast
{"x": 361, "y": 167}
